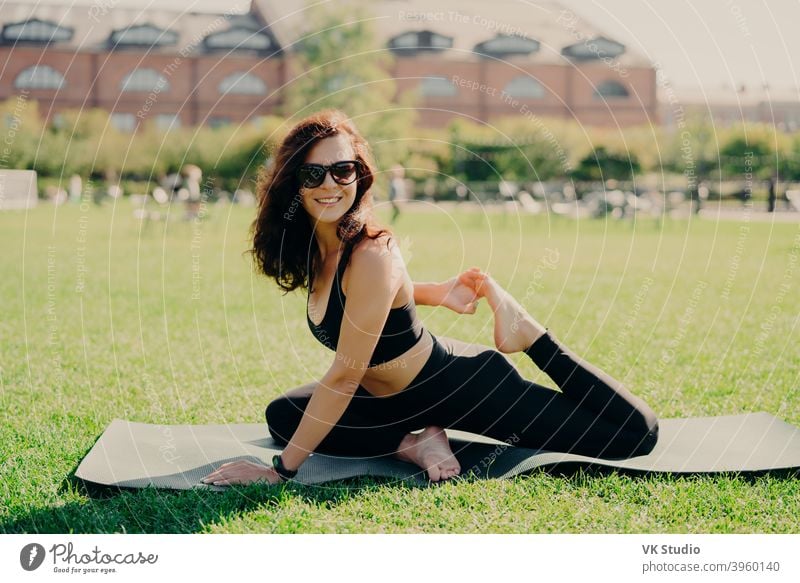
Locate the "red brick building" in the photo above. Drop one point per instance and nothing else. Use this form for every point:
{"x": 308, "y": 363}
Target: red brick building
{"x": 473, "y": 59}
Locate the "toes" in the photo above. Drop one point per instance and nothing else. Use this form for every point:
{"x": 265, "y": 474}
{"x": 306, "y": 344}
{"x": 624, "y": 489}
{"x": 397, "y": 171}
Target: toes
{"x": 450, "y": 473}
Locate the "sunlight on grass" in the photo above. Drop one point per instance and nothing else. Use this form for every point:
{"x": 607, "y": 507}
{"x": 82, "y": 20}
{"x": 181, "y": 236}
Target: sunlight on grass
{"x": 104, "y": 317}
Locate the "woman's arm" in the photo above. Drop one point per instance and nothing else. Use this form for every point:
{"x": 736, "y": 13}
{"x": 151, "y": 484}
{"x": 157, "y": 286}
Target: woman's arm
{"x": 457, "y": 293}
{"x": 428, "y": 293}
{"x": 375, "y": 278}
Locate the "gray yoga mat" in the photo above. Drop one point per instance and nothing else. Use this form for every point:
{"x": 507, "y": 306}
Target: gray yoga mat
{"x": 138, "y": 455}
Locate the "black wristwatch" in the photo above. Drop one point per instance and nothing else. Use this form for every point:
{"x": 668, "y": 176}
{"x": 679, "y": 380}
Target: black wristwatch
{"x": 277, "y": 463}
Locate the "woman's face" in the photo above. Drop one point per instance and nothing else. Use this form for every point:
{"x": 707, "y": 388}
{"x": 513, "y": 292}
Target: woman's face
{"x": 329, "y": 201}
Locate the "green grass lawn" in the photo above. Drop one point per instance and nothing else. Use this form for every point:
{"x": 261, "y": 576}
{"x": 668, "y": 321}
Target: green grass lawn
{"x": 104, "y": 317}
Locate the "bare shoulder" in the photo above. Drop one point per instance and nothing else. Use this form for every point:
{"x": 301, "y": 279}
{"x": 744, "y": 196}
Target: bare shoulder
{"x": 379, "y": 249}
{"x": 379, "y": 258}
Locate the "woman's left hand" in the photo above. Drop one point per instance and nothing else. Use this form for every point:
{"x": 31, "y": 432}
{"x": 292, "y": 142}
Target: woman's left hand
{"x": 460, "y": 293}
{"x": 242, "y": 472}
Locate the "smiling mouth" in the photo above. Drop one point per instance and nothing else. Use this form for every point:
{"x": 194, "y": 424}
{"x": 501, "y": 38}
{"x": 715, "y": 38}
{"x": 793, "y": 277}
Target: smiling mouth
{"x": 329, "y": 201}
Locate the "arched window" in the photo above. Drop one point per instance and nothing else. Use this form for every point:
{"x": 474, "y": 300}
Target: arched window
{"x": 39, "y": 77}
{"x": 598, "y": 47}
{"x": 167, "y": 121}
{"x": 124, "y": 122}
{"x": 437, "y": 87}
{"x": 610, "y": 90}
{"x": 238, "y": 38}
{"x": 507, "y": 45}
{"x": 420, "y": 40}
{"x": 144, "y": 80}
{"x": 242, "y": 83}
{"x": 35, "y": 30}
{"x": 523, "y": 86}
{"x": 143, "y": 35}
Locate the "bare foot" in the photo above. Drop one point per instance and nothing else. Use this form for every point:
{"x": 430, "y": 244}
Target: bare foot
{"x": 514, "y": 328}
{"x": 431, "y": 451}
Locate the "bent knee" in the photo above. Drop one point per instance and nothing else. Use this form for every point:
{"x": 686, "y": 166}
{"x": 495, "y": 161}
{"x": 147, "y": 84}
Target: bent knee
{"x": 498, "y": 360}
{"x": 282, "y": 416}
{"x": 649, "y": 439}
{"x": 272, "y": 412}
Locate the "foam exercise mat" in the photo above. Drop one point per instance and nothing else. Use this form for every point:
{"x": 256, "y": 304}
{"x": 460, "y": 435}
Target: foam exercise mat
{"x": 138, "y": 455}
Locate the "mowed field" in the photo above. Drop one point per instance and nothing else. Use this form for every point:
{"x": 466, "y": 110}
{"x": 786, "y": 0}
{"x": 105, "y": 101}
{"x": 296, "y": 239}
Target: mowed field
{"x": 104, "y": 316}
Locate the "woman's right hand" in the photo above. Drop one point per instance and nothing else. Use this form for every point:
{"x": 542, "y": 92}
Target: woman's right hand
{"x": 462, "y": 292}
{"x": 242, "y": 472}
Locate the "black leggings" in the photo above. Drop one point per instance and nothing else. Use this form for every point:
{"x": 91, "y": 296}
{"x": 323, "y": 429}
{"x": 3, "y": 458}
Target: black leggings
{"x": 477, "y": 389}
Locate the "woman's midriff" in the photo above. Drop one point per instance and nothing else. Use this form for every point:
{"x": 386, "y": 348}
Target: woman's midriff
{"x": 391, "y": 377}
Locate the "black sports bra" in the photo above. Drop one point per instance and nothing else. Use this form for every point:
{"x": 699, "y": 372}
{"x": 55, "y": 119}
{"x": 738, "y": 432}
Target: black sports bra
{"x": 401, "y": 331}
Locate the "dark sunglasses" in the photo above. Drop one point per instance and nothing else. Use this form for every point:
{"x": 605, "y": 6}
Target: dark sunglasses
{"x": 343, "y": 172}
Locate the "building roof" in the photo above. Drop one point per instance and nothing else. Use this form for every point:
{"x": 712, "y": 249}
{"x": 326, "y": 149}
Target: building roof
{"x": 93, "y": 27}
{"x": 552, "y": 33}
{"x": 468, "y": 23}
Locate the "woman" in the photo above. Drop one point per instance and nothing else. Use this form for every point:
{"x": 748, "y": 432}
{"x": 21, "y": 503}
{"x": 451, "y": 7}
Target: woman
{"x": 390, "y": 377}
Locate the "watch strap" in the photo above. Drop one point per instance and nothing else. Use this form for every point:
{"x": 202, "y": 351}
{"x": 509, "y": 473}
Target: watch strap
{"x": 283, "y": 472}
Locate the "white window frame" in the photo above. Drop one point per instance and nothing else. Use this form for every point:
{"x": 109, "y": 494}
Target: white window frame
{"x": 600, "y": 91}
{"x": 432, "y": 82}
{"x": 40, "y": 77}
{"x": 144, "y": 79}
{"x": 525, "y": 87}
{"x": 123, "y": 122}
{"x": 242, "y": 83}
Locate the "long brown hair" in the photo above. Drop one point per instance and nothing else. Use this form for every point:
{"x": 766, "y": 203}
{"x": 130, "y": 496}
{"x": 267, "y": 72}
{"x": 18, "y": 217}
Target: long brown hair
{"x": 284, "y": 246}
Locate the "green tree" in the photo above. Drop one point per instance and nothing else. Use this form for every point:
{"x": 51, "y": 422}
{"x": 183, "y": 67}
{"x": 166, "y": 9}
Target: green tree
{"x": 745, "y": 154}
{"x": 340, "y": 64}
{"x": 790, "y": 167}
{"x": 81, "y": 137}
{"x": 604, "y": 165}
{"x": 692, "y": 150}
{"x": 508, "y": 149}
{"x": 21, "y": 129}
